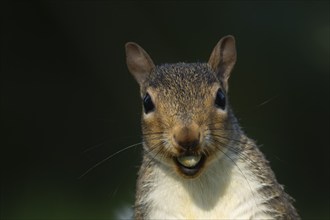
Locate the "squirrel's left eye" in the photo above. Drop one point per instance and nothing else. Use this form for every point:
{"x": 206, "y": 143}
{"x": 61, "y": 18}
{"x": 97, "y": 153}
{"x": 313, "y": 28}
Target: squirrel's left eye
{"x": 148, "y": 105}
{"x": 220, "y": 99}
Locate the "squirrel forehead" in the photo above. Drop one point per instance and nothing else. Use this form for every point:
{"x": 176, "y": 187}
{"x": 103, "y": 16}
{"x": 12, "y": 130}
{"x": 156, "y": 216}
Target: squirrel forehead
{"x": 182, "y": 88}
{"x": 181, "y": 76}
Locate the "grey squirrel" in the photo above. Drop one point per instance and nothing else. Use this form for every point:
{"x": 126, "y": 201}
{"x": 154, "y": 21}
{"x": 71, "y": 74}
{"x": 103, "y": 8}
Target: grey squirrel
{"x": 197, "y": 161}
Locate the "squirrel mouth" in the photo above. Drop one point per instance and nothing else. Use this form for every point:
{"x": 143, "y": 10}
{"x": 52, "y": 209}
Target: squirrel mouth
{"x": 189, "y": 165}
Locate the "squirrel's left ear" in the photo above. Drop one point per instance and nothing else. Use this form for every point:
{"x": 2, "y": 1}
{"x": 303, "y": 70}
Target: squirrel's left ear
{"x": 138, "y": 62}
{"x": 223, "y": 59}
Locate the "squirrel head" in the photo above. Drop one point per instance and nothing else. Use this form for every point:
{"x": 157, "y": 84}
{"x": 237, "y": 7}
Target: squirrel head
{"x": 186, "y": 117}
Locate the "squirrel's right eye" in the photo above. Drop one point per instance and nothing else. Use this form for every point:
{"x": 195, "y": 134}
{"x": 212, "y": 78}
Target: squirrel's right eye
{"x": 148, "y": 104}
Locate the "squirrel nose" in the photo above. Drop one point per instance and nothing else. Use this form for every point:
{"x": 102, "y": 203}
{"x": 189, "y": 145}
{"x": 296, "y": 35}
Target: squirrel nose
{"x": 187, "y": 138}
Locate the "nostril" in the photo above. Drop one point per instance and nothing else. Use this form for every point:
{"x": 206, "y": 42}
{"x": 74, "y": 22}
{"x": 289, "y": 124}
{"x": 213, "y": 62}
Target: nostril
{"x": 189, "y": 144}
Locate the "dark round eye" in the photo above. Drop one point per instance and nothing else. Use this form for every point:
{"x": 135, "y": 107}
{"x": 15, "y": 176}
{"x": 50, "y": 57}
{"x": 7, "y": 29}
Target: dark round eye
{"x": 220, "y": 99}
{"x": 148, "y": 104}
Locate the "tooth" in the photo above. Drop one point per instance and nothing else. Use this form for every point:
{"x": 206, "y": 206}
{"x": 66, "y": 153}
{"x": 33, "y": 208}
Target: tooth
{"x": 189, "y": 161}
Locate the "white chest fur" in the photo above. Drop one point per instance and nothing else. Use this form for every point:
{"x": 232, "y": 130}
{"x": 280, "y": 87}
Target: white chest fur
{"x": 223, "y": 191}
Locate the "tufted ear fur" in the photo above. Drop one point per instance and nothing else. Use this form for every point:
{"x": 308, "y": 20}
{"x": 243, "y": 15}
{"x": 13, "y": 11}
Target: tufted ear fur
{"x": 138, "y": 62}
{"x": 223, "y": 59}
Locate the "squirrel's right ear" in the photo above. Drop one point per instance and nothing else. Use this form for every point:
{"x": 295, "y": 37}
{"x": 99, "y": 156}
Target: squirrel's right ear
{"x": 223, "y": 59}
{"x": 138, "y": 62}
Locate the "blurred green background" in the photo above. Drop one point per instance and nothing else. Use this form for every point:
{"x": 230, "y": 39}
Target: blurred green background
{"x": 68, "y": 101}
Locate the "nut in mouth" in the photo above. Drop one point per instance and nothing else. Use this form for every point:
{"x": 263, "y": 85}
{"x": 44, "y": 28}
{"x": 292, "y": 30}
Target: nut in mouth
{"x": 190, "y": 165}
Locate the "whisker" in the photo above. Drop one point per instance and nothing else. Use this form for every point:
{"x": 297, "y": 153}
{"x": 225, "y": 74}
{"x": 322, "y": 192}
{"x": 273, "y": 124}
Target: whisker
{"x": 155, "y": 138}
{"x": 231, "y": 139}
{"x": 267, "y": 101}
{"x": 153, "y": 133}
{"x": 227, "y": 138}
{"x": 240, "y": 170}
{"x": 107, "y": 158}
{"x": 221, "y": 129}
{"x": 238, "y": 152}
{"x": 93, "y": 147}
{"x": 152, "y": 148}
{"x": 103, "y": 141}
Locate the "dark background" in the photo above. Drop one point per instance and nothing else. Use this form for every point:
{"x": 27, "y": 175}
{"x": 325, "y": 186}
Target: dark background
{"x": 68, "y": 101}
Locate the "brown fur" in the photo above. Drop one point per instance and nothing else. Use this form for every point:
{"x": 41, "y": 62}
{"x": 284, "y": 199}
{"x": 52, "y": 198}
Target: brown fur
{"x": 184, "y": 96}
